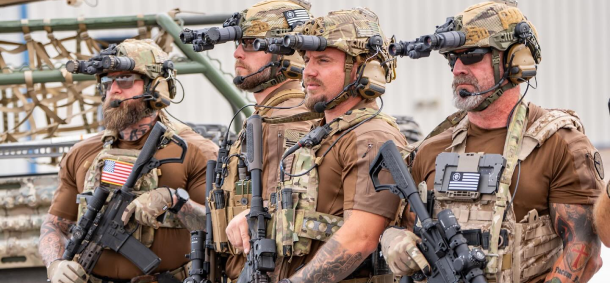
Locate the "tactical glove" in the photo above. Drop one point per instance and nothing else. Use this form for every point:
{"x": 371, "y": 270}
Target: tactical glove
{"x": 148, "y": 206}
{"x": 400, "y": 250}
{"x": 66, "y": 271}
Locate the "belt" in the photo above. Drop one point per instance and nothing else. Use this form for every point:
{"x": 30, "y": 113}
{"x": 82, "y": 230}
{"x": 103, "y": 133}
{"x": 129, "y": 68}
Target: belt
{"x": 176, "y": 275}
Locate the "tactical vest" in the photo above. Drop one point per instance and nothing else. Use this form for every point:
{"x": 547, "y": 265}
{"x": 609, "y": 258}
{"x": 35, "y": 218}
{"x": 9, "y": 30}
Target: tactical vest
{"x": 236, "y": 190}
{"x": 517, "y": 250}
{"x": 297, "y": 225}
{"x": 147, "y": 182}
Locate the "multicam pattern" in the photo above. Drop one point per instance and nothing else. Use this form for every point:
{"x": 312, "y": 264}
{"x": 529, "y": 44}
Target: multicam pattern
{"x": 268, "y": 16}
{"x": 489, "y": 24}
{"x": 350, "y": 31}
{"x": 400, "y": 250}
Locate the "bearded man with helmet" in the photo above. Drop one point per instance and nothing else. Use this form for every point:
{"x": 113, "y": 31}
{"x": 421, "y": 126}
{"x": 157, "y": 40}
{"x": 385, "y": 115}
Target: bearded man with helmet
{"x": 327, "y": 219}
{"x": 535, "y": 223}
{"x": 136, "y": 81}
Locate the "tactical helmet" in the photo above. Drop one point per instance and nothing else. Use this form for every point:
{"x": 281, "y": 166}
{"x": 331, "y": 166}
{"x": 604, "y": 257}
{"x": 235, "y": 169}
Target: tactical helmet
{"x": 357, "y": 32}
{"x": 501, "y": 26}
{"x": 149, "y": 61}
{"x": 274, "y": 18}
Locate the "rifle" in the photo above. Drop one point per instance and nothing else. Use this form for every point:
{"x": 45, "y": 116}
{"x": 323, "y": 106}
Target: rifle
{"x": 99, "y": 229}
{"x": 200, "y": 271}
{"x": 443, "y": 244}
{"x": 261, "y": 258}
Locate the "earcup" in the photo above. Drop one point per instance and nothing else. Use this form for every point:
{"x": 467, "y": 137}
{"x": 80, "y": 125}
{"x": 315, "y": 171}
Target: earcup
{"x": 522, "y": 67}
{"x": 372, "y": 83}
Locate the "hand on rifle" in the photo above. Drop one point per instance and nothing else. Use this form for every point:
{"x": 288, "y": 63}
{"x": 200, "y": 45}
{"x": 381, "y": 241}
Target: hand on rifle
{"x": 237, "y": 232}
{"x": 148, "y": 206}
{"x": 400, "y": 250}
{"x": 66, "y": 271}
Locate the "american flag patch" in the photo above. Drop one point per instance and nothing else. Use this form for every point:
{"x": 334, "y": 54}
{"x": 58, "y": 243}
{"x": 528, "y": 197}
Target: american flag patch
{"x": 464, "y": 181}
{"x": 296, "y": 17}
{"x": 116, "y": 172}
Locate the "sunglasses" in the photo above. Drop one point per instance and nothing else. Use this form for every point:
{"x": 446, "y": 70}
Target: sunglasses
{"x": 246, "y": 43}
{"x": 467, "y": 57}
{"x": 124, "y": 81}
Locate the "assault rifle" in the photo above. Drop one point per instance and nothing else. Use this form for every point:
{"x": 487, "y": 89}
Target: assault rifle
{"x": 200, "y": 248}
{"x": 99, "y": 229}
{"x": 261, "y": 258}
{"x": 443, "y": 244}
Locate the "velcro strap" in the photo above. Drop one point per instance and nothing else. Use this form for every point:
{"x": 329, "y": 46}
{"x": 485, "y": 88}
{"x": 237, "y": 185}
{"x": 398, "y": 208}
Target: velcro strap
{"x": 316, "y": 225}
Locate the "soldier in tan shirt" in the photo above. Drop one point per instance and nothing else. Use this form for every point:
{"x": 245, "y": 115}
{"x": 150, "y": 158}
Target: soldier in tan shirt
{"x": 342, "y": 215}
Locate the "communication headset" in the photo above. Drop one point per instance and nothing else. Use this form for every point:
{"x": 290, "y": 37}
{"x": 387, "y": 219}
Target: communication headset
{"x": 520, "y": 59}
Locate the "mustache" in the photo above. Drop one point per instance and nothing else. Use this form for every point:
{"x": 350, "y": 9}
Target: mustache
{"x": 312, "y": 80}
{"x": 465, "y": 79}
{"x": 240, "y": 64}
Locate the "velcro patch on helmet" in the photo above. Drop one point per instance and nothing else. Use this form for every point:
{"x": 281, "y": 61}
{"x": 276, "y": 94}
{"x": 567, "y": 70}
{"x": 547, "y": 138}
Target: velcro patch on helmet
{"x": 258, "y": 27}
{"x": 296, "y": 17}
{"x": 475, "y": 34}
{"x": 510, "y": 16}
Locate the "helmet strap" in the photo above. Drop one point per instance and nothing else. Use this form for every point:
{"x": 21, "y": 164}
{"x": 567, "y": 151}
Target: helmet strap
{"x": 495, "y": 61}
{"x": 344, "y": 95}
{"x": 279, "y": 78}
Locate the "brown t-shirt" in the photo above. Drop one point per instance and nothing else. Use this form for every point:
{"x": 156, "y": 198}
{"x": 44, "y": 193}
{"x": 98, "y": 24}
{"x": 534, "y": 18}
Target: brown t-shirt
{"x": 273, "y": 149}
{"x": 560, "y": 171}
{"x": 169, "y": 244}
{"x": 344, "y": 178}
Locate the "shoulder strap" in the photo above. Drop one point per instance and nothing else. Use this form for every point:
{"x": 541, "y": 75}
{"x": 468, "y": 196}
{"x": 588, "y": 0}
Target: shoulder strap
{"x": 547, "y": 125}
{"x": 280, "y": 98}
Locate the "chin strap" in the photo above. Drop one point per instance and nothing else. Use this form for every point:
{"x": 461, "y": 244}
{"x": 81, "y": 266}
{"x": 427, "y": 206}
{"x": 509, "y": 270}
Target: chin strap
{"x": 277, "y": 59}
{"x": 495, "y": 61}
{"x": 348, "y": 67}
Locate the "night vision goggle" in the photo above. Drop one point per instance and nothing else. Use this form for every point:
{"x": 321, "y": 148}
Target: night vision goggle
{"x": 104, "y": 62}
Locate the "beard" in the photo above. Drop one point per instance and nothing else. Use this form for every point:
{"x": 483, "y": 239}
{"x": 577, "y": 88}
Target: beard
{"x": 470, "y": 102}
{"x": 312, "y": 100}
{"x": 127, "y": 114}
{"x": 253, "y": 81}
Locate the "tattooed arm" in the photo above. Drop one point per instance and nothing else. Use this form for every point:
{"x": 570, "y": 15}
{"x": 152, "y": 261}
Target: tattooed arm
{"x": 53, "y": 236}
{"x": 192, "y": 215}
{"x": 581, "y": 246}
{"x": 345, "y": 250}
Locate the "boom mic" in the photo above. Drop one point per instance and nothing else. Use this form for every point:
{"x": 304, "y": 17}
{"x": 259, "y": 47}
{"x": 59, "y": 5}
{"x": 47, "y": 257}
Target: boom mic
{"x": 240, "y": 79}
{"x": 465, "y": 93}
{"x": 117, "y": 102}
{"x": 319, "y": 107}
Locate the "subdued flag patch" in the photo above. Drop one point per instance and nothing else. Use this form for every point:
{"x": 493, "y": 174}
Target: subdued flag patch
{"x": 293, "y": 17}
{"x": 464, "y": 181}
{"x": 116, "y": 172}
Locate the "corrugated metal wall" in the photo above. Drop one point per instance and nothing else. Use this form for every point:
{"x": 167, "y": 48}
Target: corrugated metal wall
{"x": 572, "y": 73}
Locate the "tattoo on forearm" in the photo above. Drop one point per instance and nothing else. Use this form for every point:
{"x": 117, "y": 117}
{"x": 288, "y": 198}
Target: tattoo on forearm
{"x": 332, "y": 263}
{"x": 53, "y": 234}
{"x": 581, "y": 246}
{"x": 192, "y": 216}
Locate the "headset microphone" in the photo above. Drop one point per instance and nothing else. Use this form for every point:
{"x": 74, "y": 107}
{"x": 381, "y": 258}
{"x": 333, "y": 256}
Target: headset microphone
{"x": 465, "y": 93}
{"x": 319, "y": 107}
{"x": 117, "y": 102}
{"x": 240, "y": 79}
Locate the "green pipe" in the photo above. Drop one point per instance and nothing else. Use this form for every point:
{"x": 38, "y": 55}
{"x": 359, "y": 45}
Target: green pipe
{"x": 226, "y": 88}
{"x": 50, "y": 76}
{"x": 71, "y": 24}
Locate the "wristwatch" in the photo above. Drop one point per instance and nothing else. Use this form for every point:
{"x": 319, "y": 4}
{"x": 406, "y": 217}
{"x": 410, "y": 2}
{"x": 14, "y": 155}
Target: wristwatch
{"x": 183, "y": 197}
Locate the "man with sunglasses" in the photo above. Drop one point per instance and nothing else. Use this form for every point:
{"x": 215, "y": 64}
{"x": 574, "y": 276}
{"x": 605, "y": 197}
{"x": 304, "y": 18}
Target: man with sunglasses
{"x": 274, "y": 81}
{"x": 535, "y": 224}
{"x": 130, "y": 103}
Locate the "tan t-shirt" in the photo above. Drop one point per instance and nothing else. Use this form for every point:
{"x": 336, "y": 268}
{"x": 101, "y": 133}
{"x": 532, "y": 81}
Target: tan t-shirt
{"x": 562, "y": 170}
{"x": 345, "y": 183}
{"x": 169, "y": 244}
{"x": 273, "y": 149}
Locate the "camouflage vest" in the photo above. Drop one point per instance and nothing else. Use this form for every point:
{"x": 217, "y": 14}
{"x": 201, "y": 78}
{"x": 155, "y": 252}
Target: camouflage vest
{"x": 237, "y": 189}
{"x": 148, "y": 182}
{"x": 517, "y": 250}
{"x": 298, "y": 225}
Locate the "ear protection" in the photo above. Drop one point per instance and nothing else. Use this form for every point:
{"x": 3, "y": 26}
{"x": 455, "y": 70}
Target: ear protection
{"x": 372, "y": 83}
{"x": 523, "y": 55}
{"x": 156, "y": 100}
{"x": 291, "y": 69}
